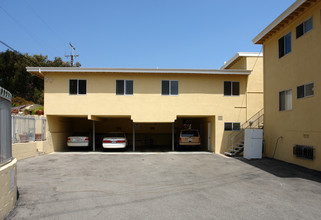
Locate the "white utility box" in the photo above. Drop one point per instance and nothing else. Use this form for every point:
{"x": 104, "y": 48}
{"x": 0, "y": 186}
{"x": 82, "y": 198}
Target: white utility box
{"x": 253, "y": 140}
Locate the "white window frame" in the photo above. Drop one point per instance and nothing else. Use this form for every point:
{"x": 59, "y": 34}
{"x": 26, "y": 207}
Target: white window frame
{"x": 170, "y": 86}
{"x": 232, "y": 88}
{"x": 125, "y": 87}
{"x": 285, "y": 52}
{"x": 304, "y": 27}
{"x": 233, "y": 126}
{"x": 78, "y": 86}
{"x": 304, "y": 90}
{"x": 285, "y": 100}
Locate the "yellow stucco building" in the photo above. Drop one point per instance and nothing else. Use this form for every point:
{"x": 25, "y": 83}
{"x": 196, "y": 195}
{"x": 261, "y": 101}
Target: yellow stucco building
{"x": 152, "y": 105}
{"x": 291, "y": 45}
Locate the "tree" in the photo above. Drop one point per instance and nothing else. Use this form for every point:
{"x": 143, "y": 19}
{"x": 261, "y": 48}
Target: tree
{"x": 15, "y": 78}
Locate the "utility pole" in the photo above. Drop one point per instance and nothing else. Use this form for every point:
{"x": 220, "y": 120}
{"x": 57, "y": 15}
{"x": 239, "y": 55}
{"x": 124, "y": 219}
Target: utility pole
{"x": 72, "y": 55}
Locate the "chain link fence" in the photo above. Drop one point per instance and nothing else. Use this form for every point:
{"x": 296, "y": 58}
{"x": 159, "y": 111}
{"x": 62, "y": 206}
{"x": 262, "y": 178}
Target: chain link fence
{"x": 28, "y": 128}
{"x": 5, "y": 126}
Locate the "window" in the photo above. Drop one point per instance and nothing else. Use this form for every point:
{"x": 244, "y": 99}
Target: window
{"x": 305, "y": 90}
{"x": 285, "y": 100}
{"x": 304, "y": 27}
{"x": 285, "y": 45}
{"x": 169, "y": 87}
{"x": 232, "y": 126}
{"x": 231, "y": 88}
{"x": 124, "y": 87}
{"x": 77, "y": 87}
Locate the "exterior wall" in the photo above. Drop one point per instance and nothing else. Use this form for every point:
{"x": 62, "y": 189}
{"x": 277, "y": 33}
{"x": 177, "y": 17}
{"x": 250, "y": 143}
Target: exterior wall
{"x": 199, "y": 95}
{"x": 8, "y": 194}
{"x": 301, "y": 125}
{"x": 254, "y": 95}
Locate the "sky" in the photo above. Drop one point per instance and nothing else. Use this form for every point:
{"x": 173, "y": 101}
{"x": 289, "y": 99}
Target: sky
{"x": 191, "y": 34}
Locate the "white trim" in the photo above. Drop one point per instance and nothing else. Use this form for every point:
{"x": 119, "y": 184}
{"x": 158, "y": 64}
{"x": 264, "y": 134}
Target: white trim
{"x": 278, "y": 20}
{"x": 241, "y": 54}
{"x": 77, "y": 87}
{"x": 125, "y": 85}
{"x": 40, "y": 71}
{"x": 170, "y": 86}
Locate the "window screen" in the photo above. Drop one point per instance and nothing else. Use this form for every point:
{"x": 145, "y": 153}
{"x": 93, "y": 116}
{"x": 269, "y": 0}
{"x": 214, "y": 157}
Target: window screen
{"x": 73, "y": 87}
{"x": 174, "y": 87}
{"x": 227, "y": 88}
{"x": 285, "y": 45}
{"x": 309, "y": 88}
{"x": 165, "y": 87}
{"x": 82, "y": 87}
{"x": 236, "y": 88}
{"x": 236, "y": 126}
{"x": 228, "y": 126}
{"x": 304, "y": 27}
{"x": 129, "y": 87}
{"x": 120, "y": 87}
{"x": 285, "y": 100}
{"x": 305, "y": 90}
{"x": 169, "y": 87}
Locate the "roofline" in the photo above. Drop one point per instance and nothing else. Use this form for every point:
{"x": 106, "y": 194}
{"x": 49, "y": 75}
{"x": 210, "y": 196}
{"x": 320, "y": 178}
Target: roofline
{"x": 241, "y": 54}
{"x": 278, "y": 20}
{"x": 40, "y": 71}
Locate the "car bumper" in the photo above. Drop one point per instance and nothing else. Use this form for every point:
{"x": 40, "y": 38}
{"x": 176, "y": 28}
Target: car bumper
{"x": 105, "y": 145}
{"x": 70, "y": 144}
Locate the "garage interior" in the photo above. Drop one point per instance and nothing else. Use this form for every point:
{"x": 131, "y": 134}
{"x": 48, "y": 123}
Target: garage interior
{"x": 142, "y": 137}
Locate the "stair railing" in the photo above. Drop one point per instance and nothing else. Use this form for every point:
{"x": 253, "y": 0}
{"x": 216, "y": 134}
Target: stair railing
{"x": 256, "y": 121}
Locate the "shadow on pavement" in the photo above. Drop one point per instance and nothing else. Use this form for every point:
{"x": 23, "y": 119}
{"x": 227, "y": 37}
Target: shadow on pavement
{"x": 283, "y": 169}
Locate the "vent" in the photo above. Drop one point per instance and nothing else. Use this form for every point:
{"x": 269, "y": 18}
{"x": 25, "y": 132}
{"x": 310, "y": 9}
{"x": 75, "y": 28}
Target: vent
{"x": 303, "y": 151}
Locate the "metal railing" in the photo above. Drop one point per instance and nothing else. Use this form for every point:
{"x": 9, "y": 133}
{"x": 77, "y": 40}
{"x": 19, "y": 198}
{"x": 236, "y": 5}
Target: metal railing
{"x": 5, "y": 94}
{"x": 28, "y": 128}
{"x": 236, "y": 137}
{"x": 5, "y": 126}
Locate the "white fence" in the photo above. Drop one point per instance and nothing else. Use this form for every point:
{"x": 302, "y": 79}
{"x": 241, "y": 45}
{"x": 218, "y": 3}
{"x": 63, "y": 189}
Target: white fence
{"x": 28, "y": 128}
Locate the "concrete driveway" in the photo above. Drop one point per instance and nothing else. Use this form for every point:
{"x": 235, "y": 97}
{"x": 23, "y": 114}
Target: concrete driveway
{"x": 164, "y": 186}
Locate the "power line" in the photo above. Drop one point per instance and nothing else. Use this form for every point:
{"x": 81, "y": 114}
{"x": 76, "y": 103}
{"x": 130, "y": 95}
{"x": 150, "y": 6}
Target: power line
{"x": 44, "y": 22}
{"x": 257, "y": 57}
{"x": 24, "y": 28}
{"x": 24, "y": 56}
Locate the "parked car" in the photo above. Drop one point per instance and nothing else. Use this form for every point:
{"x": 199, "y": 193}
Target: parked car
{"x": 79, "y": 139}
{"x": 189, "y": 137}
{"x": 114, "y": 140}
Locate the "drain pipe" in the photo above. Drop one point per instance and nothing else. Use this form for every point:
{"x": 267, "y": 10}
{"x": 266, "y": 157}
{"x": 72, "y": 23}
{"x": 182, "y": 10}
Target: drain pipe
{"x": 276, "y": 145}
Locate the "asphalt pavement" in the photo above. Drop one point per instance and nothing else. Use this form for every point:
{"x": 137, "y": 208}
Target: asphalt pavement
{"x": 164, "y": 186}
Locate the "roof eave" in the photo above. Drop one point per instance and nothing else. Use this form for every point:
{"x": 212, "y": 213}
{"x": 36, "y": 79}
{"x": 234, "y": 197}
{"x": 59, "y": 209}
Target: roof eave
{"x": 259, "y": 39}
{"x": 40, "y": 71}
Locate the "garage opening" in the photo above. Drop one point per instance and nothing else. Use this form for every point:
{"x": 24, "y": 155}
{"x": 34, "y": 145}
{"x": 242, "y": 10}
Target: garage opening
{"x": 141, "y": 137}
{"x": 151, "y": 137}
{"x": 205, "y": 127}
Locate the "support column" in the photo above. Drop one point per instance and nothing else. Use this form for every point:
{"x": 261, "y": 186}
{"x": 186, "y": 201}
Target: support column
{"x": 94, "y": 137}
{"x": 173, "y": 137}
{"x": 133, "y": 137}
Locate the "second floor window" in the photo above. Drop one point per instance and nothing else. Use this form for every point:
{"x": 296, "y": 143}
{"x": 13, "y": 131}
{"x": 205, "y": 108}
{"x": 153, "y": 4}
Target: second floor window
{"x": 285, "y": 100}
{"x": 305, "y": 90}
{"x": 231, "y": 88}
{"x": 124, "y": 87}
{"x": 77, "y": 87}
{"x": 285, "y": 45}
{"x": 304, "y": 27}
{"x": 169, "y": 87}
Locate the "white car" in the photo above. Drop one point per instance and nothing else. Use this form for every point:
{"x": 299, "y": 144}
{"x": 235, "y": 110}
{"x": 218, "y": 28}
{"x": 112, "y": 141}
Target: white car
{"x": 114, "y": 140}
{"x": 78, "y": 140}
